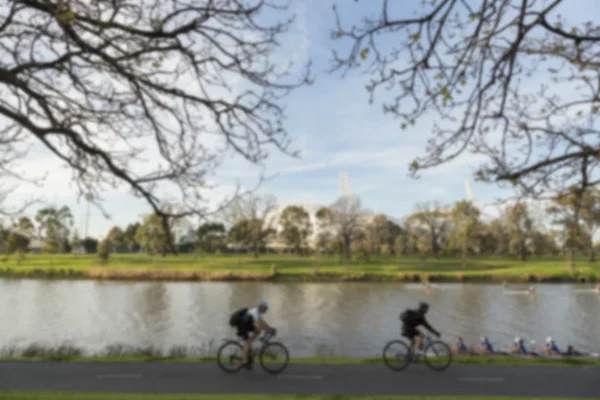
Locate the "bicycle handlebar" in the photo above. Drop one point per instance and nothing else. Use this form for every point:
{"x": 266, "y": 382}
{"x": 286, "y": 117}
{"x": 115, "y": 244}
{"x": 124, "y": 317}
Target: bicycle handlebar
{"x": 268, "y": 335}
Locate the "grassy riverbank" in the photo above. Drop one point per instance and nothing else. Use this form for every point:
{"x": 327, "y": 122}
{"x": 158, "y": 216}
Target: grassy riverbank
{"x": 119, "y": 396}
{"x": 270, "y": 267}
{"x": 474, "y": 360}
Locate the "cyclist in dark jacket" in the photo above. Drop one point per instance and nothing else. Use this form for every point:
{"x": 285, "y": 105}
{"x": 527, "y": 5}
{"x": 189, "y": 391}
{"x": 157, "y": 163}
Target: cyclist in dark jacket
{"x": 411, "y": 319}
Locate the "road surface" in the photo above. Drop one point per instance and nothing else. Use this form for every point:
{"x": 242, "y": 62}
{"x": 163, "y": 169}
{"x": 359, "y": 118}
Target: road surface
{"x": 371, "y": 379}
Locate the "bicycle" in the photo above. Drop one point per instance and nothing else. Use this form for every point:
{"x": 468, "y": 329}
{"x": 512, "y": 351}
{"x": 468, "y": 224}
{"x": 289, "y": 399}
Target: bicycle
{"x": 229, "y": 355}
{"x": 405, "y": 355}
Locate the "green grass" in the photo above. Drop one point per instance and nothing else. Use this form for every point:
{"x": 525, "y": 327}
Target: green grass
{"x": 476, "y": 360}
{"x": 116, "y": 396}
{"x": 317, "y": 267}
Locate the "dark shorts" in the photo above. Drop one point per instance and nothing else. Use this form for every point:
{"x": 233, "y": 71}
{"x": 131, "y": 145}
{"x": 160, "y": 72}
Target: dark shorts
{"x": 410, "y": 332}
{"x": 245, "y": 327}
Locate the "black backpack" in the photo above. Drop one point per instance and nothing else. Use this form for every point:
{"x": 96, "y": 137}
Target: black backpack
{"x": 236, "y": 317}
{"x": 408, "y": 315}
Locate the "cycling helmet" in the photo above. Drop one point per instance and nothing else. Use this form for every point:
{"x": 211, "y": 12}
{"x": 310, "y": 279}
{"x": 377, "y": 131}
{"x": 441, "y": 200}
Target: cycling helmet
{"x": 423, "y": 306}
{"x": 548, "y": 339}
{"x": 517, "y": 340}
{"x": 263, "y": 304}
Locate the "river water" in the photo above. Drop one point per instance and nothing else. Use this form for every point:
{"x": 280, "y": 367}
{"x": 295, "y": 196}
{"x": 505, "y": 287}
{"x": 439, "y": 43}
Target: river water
{"x": 329, "y": 319}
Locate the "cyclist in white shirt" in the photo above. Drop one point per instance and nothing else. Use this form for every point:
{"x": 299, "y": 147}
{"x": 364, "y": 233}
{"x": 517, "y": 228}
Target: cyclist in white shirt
{"x": 251, "y": 321}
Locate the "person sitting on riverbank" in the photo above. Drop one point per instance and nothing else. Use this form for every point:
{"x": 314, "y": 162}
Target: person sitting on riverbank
{"x": 459, "y": 347}
{"x": 486, "y": 348}
{"x": 551, "y": 349}
{"x": 519, "y": 348}
{"x": 572, "y": 352}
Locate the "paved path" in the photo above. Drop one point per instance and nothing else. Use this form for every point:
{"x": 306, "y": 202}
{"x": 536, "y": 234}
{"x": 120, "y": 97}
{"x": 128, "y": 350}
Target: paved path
{"x": 370, "y": 379}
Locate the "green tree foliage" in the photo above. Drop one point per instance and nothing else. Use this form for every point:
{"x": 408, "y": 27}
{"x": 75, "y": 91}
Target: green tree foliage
{"x": 251, "y": 220}
{"x": 104, "y": 249}
{"x": 130, "y": 238}
{"x": 376, "y": 234}
{"x": 327, "y": 243}
{"x": 211, "y": 237}
{"x": 152, "y": 236}
{"x": 19, "y": 237}
{"x": 90, "y": 245}
{"x": 423, "y": 245}
{"x": 465, "y": 230}
{"x": 296, "y": 228}
{"x": 75, "y": 240}
{"x": 394, "y": 230}
{"x": 519, "y": 227}
{"x": 578, "y": 215}
{"x": 433, "y": 219}
{"x": 250, "y": 234}
{"x": 55, "y": 224}
{"x": 400, "y": 245}
{"x": 116, "y": 238}
{"x": 495, "y": 238}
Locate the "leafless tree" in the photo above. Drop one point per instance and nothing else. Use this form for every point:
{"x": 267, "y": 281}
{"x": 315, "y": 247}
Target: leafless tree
{"x": 143, "y": 93}
{"x": 434, "y": 220}
{"x": 344, "y": 218}
{"x": 512, "y": 81}
{"x": 252, "y": 217}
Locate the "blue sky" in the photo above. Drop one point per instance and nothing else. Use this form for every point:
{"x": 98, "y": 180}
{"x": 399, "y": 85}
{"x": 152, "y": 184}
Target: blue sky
{"x": 334, "y": 127}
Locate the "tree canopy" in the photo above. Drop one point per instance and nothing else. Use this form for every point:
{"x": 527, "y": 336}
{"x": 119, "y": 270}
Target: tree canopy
{"x": 511, "y": 81}
{"x": 106, "y": 86}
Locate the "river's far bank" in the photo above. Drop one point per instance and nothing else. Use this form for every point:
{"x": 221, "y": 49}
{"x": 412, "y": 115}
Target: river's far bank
{"x": 171, "y": 275}
{"x": 292, "y": 268}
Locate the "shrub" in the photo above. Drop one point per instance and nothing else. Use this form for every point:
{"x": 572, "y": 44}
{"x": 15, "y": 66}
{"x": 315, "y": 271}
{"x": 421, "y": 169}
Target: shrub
{"x": 104, "y": 250}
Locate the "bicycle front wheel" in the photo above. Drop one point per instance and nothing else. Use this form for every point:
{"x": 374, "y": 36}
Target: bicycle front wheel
{"x": 229, "y": 357}
{"x": 274, "y": 357}
{"x": 438, "y": 355}
{"x": 397, "y": 355}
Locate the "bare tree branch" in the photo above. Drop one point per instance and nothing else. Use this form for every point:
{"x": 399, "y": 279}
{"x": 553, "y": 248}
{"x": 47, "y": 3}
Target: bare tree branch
{"x": 125, "y": 92}
{"x": 511, "y": 80}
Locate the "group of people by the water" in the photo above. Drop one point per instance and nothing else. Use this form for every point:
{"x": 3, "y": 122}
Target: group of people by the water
{"x": 484, "y": 347}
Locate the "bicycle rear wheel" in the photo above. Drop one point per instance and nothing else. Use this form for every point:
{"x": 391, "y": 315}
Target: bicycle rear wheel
{"x": 229, "y": 357}
{"x": 274, "y": 357}
{"x": 397, "y": 355}
{"x": 438, "y": 355}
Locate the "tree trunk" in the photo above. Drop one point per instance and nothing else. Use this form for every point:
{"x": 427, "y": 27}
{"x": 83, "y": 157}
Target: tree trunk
{"x": 591, "y": 251}
{"x": 347, "y": 252}
{"x": 572, "y": 260}
{"x": 523, "y": 254}
{"x": 591, "y": 255}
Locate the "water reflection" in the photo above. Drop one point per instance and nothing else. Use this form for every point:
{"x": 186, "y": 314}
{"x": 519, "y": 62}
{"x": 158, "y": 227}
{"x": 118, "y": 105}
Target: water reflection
{"x": 344, "y": 319}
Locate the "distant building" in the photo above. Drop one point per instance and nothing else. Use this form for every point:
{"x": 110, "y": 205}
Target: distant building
{"x": 273, "y": 219}
{"x": 35, "y": 245}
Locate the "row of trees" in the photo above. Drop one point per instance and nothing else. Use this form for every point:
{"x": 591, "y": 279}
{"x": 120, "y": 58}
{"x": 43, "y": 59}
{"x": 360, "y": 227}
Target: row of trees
{"x": 568, "y": 224}
{"x": 253, "y": 224}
